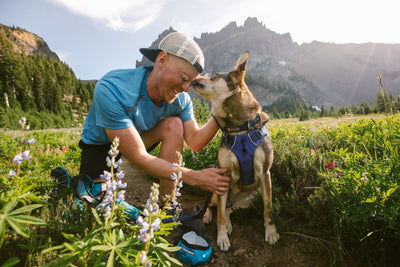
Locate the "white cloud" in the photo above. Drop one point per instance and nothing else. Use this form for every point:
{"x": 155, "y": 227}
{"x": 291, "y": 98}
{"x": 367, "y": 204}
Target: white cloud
{"x": 126, "y": 15}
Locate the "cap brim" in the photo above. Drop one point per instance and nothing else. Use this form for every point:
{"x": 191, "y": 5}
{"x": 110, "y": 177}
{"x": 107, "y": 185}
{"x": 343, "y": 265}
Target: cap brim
{"x": 150, "y": 53}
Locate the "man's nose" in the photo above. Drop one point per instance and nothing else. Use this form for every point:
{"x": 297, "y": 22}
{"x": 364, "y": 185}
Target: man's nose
{"x": 186, "y": 86}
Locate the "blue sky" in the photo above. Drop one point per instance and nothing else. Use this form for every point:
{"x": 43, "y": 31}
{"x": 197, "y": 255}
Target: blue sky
{"x": 96, "y": 36}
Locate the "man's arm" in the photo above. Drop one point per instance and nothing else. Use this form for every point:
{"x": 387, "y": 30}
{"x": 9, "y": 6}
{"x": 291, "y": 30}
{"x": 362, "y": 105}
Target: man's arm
{"x": 133, "y": 149}
{"x": 197, "y": 138}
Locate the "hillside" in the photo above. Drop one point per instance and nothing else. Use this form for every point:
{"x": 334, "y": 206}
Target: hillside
{"x": 323, "y": 73}
{"x": 34, "y": 82}
{"x": 24, "y": 41}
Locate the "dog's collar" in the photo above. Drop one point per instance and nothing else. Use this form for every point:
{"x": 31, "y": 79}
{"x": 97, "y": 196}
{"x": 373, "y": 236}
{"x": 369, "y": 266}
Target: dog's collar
{"x": 245, "y": 127}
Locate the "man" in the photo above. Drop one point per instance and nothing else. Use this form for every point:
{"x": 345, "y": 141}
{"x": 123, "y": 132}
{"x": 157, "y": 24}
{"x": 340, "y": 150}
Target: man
{"x": 146, "y": 106}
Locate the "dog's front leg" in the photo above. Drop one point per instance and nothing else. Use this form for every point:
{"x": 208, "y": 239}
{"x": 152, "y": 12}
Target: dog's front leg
{"x": 222, "y": 223}
{"x": 271, "y": 236}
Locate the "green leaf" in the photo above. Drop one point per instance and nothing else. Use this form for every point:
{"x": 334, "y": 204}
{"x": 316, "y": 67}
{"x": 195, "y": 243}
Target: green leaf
{"x": 166, "y": 247}
{"x": 36, "y": 199}
{"x": 65, "y": 260}
{"x": 390, "y": 192}
{"x": 25, "y": 209}
{"x": 18, "y": 227}
{"x": 11, "y": 262}
{"x": 2, "y": 230}
{"x": 28, "y": 219}
{"x": 110, "y": 261}
{"x": 69, "y": 246}
{"x": 171, "y": 259}
{"x": 96, "y": 216}
{"x": 10, "y": 205}
{"x": 102, "y": 248}
{"x": 47, "y": 250}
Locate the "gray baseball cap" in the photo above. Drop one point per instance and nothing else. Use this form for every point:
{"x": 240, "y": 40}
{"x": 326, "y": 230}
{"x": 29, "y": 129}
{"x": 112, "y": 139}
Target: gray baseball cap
{"x": 180, "y": 45}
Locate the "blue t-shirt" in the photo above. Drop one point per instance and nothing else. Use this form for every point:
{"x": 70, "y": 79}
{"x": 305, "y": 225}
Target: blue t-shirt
{"x": 121, "y": 100}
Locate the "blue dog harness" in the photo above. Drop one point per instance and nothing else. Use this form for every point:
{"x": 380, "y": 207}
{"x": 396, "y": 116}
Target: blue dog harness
{"x": 243, "y": 146}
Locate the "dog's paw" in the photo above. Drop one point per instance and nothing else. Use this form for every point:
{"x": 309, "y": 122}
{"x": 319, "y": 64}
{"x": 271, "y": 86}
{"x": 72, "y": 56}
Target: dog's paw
{"x": 271, "y": 236}
{"x": 207, "y": 217}
{"x": 223, "y": 242}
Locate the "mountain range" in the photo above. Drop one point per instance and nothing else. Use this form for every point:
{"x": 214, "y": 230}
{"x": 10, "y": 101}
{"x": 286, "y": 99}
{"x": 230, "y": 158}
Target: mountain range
{"x": 279, "y": 69}
{"x": 323, "y": 73}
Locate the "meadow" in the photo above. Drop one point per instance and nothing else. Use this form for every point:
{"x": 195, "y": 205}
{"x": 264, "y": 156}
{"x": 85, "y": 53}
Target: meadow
{"x": 335, "y": 181}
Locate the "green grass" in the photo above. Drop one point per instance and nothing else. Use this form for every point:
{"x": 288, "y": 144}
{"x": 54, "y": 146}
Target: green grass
{"x": 334, "y": 180}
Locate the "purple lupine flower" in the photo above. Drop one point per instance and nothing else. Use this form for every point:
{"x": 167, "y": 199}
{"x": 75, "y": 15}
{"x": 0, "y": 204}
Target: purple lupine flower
{"x": 106, "y": 176}
{"x": 30, "y": 141}
{"x": 26, "y": 155}
{"x": 156, "y": 224}
{"x": 143, "y": 256}
{"x": 120, "y": 175}
{"x": 121, "y": 185}
{"x": 18, "y": 159}
{"x": 121, "y": 195}
{"x": 107, "y": 211}
{"x": 22, "y": 121}
{"x": 174, "y": 177}
{"x": 11, "y": 173}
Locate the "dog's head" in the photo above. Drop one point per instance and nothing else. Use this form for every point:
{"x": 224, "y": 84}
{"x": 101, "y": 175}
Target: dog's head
{"x": 223, "y": 85}
{"x": 232, "y": 103}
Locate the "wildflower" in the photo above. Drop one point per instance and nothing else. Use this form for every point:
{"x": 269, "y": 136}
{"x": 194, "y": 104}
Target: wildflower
{"x": 177, "y": 193}
{"x": 156, "y": 224}
{"x": 120, "y": 175}
{"x": 26, "y": 155}
{"x": 30, "y": 141}
{"x": 11, "y": 173}
{"x": 312, "y": 152}
{"x": 143, "y": 256}
{"x": 121, "y": 195}
{"x": 330, "y": 166}
{"x": 18, "y": 159}
{"x": 174, "y": 177}
{"x": 107, "y": 211}
{"x": 22, "y": 122}
{"x": 364, "y": 179}
{"x": 121, "y": 185}
{"x": 106, "y": 176}
{"x": 151, "y": 209}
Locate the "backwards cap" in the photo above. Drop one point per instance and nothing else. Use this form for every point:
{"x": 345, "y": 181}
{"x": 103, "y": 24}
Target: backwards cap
{"x": 179, "y": 45}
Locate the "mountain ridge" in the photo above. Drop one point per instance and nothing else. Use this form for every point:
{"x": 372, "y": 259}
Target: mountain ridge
{"x": 323, "y": 73}
{"x": 28, "y": 42}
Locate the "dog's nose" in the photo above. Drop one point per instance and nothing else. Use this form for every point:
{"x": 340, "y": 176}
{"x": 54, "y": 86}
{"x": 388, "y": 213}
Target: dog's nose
{"x": 197, "y": 83}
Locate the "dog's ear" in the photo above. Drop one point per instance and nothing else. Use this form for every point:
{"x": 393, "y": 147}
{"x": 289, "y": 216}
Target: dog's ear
{"x": 237, "y": 75}
{"x": 242, "y": 61}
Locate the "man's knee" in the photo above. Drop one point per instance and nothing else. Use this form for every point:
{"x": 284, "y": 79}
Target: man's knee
{"x": 173, "y": 126}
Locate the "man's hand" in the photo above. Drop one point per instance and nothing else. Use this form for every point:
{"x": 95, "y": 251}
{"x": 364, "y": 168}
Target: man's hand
{"x": 213, "y": 180}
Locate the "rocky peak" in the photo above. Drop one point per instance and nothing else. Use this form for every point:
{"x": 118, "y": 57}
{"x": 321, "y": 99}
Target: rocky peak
{"x": 24, "y": 41}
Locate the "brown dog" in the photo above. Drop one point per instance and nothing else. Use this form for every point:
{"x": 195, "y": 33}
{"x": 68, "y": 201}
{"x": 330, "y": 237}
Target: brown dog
{"x": 245, "y": 150}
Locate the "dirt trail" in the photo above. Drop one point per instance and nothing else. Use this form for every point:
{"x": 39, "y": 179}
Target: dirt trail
{"x": 248, "y": 247}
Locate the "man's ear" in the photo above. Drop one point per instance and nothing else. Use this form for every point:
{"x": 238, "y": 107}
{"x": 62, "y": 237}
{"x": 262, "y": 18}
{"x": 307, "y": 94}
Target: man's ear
{"x": 162, "y": 58}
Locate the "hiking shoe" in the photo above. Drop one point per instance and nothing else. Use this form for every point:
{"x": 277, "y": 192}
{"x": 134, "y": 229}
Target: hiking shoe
{"x": 62, "y": 181}
{"x": 131, "y": 211}
{"x": 82, "y": 184}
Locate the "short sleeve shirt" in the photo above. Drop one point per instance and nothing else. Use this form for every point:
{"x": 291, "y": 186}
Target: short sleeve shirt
{"x": 121, "y": 101}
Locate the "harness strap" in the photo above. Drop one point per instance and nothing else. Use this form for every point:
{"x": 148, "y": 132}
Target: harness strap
{"x": 244, "y": 146}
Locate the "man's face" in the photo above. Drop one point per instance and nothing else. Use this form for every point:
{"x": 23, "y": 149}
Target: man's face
{"x": 176, "y": 77}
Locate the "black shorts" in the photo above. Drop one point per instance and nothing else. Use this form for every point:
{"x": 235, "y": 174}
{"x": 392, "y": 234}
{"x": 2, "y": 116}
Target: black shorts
{"x": 93, "y": 159}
